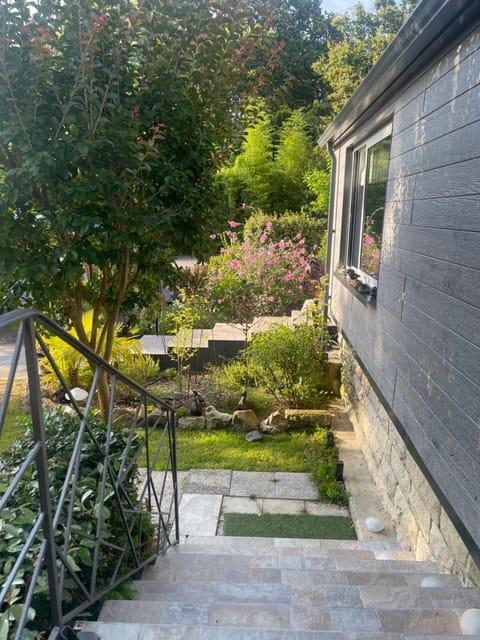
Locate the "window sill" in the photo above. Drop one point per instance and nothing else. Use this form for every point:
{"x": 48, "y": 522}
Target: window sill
{"x": 365, "y": 294}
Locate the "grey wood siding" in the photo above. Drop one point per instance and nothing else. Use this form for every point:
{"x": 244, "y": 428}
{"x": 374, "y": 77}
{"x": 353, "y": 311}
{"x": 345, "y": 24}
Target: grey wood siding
{"x": 421, "y": 342}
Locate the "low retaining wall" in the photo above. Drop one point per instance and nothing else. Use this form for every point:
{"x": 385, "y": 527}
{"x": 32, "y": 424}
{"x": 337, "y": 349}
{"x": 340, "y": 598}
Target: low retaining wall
{"x": 420, "y": 520}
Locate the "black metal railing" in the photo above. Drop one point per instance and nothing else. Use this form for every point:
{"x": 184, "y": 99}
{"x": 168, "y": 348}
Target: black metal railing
{"x": 41, "y": 544}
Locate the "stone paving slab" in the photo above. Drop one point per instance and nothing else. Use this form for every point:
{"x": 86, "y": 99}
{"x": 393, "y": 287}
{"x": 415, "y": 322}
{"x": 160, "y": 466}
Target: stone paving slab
{"x": 364, "y": 499}
{"x": 323, "y": 509}
{"x": 207, "y": 481}
{"x": 233, "y": 504}
{"x": 291, "y": 486}
{"x": 295, "y": 486}
{"x": 248, "y": 484}
{"x": 155, "y": 345}
{"x": 294, "y": 507}
{"x": 199, "y": 514}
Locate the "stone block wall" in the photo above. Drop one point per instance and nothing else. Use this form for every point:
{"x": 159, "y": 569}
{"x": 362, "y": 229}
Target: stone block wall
{"x": 420, "y": 520}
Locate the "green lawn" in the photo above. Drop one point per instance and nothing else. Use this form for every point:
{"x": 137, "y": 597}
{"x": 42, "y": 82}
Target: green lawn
{"x": 288, "y": 526}
{"x": 11, "y": 429}
{"x": 228, "y": 450}
{"x": 298, "y": 451}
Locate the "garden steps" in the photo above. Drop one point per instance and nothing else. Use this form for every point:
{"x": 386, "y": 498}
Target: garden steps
{"x": 231, "y": 588}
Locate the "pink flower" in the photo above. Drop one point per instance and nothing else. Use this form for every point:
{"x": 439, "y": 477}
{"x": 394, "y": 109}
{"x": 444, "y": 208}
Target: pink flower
{"x": 233, "y": 224}
{"x": 289, "y": 276}
{"x": 263, "y": 238}
{"x": 213, "y": 236}
{"x": 298, "y": 236}
{"x": 219, "y": 300}
{"x": 269, "y": 226}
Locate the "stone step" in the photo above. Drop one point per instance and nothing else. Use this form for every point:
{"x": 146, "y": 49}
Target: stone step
{"x": 136, "y": 631}
{"x": 251, "y": 546}
{"x": 209, "y": 592}
{"x": 267, "y": 616}
{"x": 219, "y": 588}
{"x": 208, "y": 567}
{"x": 328, "y": 594}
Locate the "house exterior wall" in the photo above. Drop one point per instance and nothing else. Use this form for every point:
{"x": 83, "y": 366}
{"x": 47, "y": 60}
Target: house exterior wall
{"x": 419, "y": 344}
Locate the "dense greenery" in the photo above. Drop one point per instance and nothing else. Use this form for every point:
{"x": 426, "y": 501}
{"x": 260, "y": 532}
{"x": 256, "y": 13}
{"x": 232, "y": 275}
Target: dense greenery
{"x": 361, "y": 38}
{"x": 16, "y": 520}
{"x": 297, "y": 451}
{"x": 269, "y": 171}
{"x": 247, "y": 281}
{"x": 290, "y": 363}
{"x": 113, "y": 117}
{"x": 262, "y": 227}
{"x": 127, "y": 357}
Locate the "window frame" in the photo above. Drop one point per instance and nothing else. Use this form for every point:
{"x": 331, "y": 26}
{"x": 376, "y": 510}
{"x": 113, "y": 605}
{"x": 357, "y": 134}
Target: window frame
{"x": 356, "y": 205}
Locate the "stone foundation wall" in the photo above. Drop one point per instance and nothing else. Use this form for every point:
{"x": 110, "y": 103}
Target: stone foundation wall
{"x": 421, "y": 522}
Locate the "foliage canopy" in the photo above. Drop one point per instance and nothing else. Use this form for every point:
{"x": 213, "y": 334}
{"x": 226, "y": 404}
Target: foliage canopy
{"x": 113, "y": 115}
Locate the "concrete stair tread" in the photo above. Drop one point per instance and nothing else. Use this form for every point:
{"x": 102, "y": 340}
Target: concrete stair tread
{"x": 326, "y": 594}
{"x": 248, "y": 544}
{"x": 233, "y": 588}
{"x": 279, "y": 616}
{"x": 135, "y": 631}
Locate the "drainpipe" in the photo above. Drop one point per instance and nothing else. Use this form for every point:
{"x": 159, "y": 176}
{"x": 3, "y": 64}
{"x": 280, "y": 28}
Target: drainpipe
{"x": 330, "y": 230}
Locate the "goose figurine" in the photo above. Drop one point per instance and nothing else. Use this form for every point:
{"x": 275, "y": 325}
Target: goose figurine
{"x": 197, "y": 404}
{"x": 243, "y": 403}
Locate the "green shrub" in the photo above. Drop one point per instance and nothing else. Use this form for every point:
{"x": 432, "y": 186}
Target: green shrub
{"x": 322, "y": 460}
{"x": 285, "y": 227}
{"x": 222, "y": 387}
{"x": 291, "y": 363}
{"x": 127, "y": 357}
{"x": 152, "y": 318}
{"x": 17, "y": 518}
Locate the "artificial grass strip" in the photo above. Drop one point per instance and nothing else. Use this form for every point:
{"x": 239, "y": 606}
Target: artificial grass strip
{"x": 273, "y": 525}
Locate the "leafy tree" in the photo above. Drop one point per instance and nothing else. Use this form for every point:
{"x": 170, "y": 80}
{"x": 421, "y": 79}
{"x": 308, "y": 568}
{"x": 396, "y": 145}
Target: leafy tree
{"x": 318, "y": 182}
{"x": 300, "y": 29}
{"x": 268, "y": 172}
{"x": 113, "y": 114}
{"x": 364, "y": 35}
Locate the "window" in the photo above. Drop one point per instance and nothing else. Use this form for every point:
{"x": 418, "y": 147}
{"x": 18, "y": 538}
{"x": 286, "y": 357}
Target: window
{"x": 369, "y": 187}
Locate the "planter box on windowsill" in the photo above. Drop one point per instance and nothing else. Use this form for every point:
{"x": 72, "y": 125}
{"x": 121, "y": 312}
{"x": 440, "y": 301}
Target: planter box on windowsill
{"x": 362, "y": 291}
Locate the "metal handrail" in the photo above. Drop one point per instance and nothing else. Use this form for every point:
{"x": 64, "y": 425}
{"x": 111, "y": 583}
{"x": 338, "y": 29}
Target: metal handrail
{"x": 55, "y": 529}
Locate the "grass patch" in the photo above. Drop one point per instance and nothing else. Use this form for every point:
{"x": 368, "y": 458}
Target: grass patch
{"x": 12, "y": 429}
{"x": 271, "y": 525}
{"x": 229, "y": 450}
{"x": 298, "y": 451}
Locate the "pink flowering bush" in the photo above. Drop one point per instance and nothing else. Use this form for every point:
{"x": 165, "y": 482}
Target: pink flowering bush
{"x": 246, "y": 280}
{"x": 261, "y": 228}
{"x": 370, "y": 257}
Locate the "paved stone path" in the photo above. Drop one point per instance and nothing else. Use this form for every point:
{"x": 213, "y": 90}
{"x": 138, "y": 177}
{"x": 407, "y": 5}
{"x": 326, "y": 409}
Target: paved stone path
{"x": 207, "y": 494}
{"x": 6, "y": 355}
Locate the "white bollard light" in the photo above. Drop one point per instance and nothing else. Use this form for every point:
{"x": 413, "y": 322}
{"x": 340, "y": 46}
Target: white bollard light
{"x": 375, "y": 525}
{"x": 470, "y": 622}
